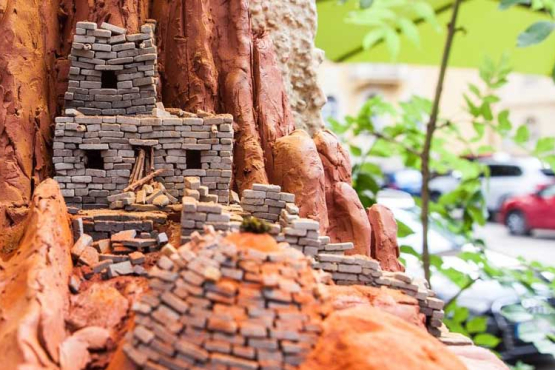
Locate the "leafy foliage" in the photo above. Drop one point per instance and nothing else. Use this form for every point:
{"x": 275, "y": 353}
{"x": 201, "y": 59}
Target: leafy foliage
{"x": 387, "y": 19}
{"x": 462, "y": 209}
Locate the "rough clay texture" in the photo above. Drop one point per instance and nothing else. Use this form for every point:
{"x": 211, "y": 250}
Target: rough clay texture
{"x": 347, "y": 218}
{"x": 384, "y": 238}
{"x": 368, "y": 338}
{"x": 292, "y": 27}
{"x": 298, "y": 170}
{"x": 343, "y": 297}
{"x": 27, "y": 106}
{"x": 33, "y": 289}
{"x": 210, "y": 60}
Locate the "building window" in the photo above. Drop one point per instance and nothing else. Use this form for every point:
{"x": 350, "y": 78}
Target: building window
{"x": 193, "y": 159}
{"x": 109, "y": 80}
{"x": 93, "y": 160}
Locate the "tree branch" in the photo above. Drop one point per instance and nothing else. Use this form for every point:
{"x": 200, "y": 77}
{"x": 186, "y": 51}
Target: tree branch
{"x": 430, "y": 130}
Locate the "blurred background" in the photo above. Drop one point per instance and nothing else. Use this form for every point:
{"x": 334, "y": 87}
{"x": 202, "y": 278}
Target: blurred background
{"x": 491, "y": 232}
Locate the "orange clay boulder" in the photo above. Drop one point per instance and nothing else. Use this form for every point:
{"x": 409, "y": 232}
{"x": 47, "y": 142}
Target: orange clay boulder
{"x": 347, "y": 218}
{"x": 368, "y": 338}
{"x": 298, "y": 170}
{"x": 384, "y": 238}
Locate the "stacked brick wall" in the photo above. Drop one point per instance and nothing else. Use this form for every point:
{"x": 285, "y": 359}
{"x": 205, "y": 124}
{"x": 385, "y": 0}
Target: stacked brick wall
{"x": 115, "y": 139}
{"x": 112, "y": 72}
{"x": 266, "y": 201}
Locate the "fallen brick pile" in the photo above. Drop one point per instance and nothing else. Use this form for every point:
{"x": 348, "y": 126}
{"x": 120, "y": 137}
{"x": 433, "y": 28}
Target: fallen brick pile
{"x": 227, "y": 306}
{"x": 149, "y": 197}
{"x": 101, "y": 224}
{"x": 120, "y": 255}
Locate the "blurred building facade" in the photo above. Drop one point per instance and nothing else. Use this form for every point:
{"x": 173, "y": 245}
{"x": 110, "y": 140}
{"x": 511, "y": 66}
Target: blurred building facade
{"x": 529, "y": 98}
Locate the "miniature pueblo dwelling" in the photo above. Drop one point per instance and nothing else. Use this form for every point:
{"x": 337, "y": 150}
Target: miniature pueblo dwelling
{"x": 124, "y": 163}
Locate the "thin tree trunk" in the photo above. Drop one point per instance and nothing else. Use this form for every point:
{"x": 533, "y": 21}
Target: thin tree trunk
{"x": 430, "y": 130}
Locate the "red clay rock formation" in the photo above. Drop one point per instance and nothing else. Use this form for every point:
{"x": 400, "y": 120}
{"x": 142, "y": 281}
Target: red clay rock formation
{"x": 347, "y": 218}
{"x": 34, "y": 285}
{"x": 271, "y": 103}
{"x": 384, "y": 238}
{"x": 210, "y": 60}
{"x": 367, "y": 338}
{"x": 298, "y": 170}
{"x": 27, "y": 106}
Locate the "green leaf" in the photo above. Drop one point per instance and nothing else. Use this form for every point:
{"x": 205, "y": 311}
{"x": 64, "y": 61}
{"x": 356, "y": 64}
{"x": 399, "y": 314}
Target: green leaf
{"x": 544, "y": 145}
{"x": 505, "y": 125}
{"x": 461, "y": 314}
{"x": 486, "y": 340}
{"x": 426, "y": 11}
{"x": 550, "y": 160}
{"x": 477, "y": 214}
{"x": 365, "y": 4}
{"x": 403, "y": 230}
{"x": 372, "y": 38}
{"x": 409, "y": 30}
{"x": 393, "y": 42}
{"x": 506, "y": 4}
{"x": 485, "y": 109}
{"x": 407, "y": 249}
{"x": 535, "y": 34}
{"x": 522, "y": 134}
{"x": 477, "y": 324}
{"x": 475, "y": 90}
{"x": 480, "y": 129}
{"x": 371, "y": 168}
{"x": 355, "y": 150}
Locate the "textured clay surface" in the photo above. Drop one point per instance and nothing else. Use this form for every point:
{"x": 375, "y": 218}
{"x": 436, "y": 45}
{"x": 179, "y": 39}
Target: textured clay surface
{"x": 348, "y": 221}
{"x": 368, "y": 338}
{"x": 210, "y": 60}
{"x": 298, "y": 170}
{"x": 33, "y": 285}
{"x": 27, "y": 107}
{"x": 388, "y": 300}
{"x": 292, "y": 25}
{"x": 384, "y": 238}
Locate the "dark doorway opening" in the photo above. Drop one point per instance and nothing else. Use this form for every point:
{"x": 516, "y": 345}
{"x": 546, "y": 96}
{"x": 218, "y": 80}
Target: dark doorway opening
{"x": 109, "y": 80}
{"x": 193, "y": 159}
{"x": 93, "y": 160}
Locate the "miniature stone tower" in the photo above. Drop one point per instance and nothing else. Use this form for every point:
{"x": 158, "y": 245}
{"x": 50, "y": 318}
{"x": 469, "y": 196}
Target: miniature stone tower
{"x": 114, "y": 132}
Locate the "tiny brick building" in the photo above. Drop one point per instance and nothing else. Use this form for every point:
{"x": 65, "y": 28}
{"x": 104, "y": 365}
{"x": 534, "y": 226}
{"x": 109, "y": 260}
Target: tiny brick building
{"x": 114, "y": 132}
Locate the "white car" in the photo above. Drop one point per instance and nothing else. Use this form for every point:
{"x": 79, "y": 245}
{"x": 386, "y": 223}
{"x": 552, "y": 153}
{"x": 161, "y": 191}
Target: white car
{"x": 508, "y": 177}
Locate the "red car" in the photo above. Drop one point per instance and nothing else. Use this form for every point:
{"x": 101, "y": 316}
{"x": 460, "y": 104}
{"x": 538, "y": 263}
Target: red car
{"x": 524, "y": 213}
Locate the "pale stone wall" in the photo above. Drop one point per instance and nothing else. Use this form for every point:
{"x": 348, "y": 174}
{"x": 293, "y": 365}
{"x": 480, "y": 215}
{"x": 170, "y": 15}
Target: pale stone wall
{"x": 292, "y": 27}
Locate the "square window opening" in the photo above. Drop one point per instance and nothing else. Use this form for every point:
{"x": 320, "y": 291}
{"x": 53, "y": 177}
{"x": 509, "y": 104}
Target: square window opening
{"x": 94, "y": 160}
{"x": 109, "y": 80}
{"x": 193, "y": 159}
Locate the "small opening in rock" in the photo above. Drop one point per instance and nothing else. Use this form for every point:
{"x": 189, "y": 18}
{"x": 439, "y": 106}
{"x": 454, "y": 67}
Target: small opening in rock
{"x": 193, "y": 160}
{"x": 109, "y": 80}
{"x": 93, "y": 160}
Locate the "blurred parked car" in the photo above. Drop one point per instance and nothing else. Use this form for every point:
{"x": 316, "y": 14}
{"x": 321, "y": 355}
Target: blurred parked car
{"x": 525, "y": 213}
{"x": 485, "y": 297}
{"x": 407, "y": 180}
{"x": 508, "y": 177}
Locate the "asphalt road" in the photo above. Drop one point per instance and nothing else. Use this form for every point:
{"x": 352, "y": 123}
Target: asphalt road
{"x": 538, "y": 247}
